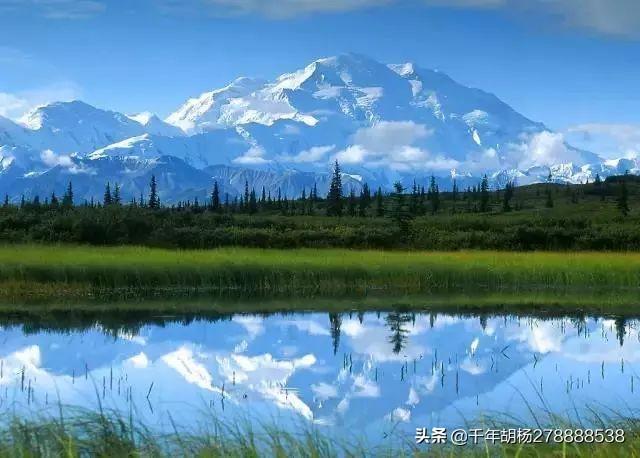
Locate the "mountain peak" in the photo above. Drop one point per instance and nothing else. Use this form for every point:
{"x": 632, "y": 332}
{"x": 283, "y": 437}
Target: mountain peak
{"x": 204, "y": 110}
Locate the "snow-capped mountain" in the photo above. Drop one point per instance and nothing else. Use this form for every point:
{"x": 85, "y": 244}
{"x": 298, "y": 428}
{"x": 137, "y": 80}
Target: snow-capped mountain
{"x": 156, "y": 126}
{"x": 381, "y": 122}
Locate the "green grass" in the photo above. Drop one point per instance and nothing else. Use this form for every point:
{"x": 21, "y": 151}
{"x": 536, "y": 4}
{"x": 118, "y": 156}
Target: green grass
{"x": 68, "y": 271}
{"x": 110, "y": 435}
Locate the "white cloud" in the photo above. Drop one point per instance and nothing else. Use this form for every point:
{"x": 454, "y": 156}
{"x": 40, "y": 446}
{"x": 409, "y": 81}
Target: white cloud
{"x": 277, "y": 9}
{"x": 611, "y": 17}
{"x": 12, "y": 106}
{"x": 541, "y": 338}
{"x": 392, "y": 144}
{"x": 323, "y": 391}
{"x": 544, "y": 148}
{"x": 51, "y": 159}
{"x": 16, "y": 105}
{"x": 611, "y": 141}
{"x": 253, "y": 156}
{"x": 399, "y": 415}
{"x": 54, "y": 9}
{"x": 388, "y": 135}
{"x": 313, "y": 154}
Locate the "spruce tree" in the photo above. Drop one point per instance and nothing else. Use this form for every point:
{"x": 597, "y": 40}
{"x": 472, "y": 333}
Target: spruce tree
{"x": 484, "y": 194}
{"x": 365, "y": 200}
{"x": 67, "y": 199}
{"x": 117, "y": 198}
{"x": 335, "y": 321}
{"x": 107, "y": 200}
{"x": 154, "y": 200}
{"x": 352, "y": 205}
{"x": 54, "y": 201}
{"x": 623, "y": 198}
{"x": 508, "y": 195}
{"x": 253, "y": 203}
{"x": 379, "y": 203}
{"x": 434, "y": 195}
{"x": 549, "y": 200}
{"x": 246, "y": 195}
{"x": 215, "y": 197}
{"x": 400, "y": 211}
{"x": 334, "y": 198}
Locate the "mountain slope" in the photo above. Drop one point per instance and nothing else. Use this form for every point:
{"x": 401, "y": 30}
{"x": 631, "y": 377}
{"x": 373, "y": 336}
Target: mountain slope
{"x": 381, "y": 122}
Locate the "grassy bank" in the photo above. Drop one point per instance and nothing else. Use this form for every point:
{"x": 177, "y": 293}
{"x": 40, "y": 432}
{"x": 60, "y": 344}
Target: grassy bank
{"x": 99, "y": 434}
{"x": 74, "y": 271}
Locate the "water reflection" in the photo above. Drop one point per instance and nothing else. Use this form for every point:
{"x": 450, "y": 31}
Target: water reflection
{"x": 374, "y": 373}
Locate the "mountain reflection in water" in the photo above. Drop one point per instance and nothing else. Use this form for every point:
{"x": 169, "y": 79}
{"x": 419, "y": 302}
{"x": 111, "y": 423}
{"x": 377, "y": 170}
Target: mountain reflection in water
{"x": 367, "y": 372}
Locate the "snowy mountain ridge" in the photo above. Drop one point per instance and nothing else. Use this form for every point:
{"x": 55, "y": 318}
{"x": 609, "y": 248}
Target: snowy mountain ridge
{"x": 381, "y": 122}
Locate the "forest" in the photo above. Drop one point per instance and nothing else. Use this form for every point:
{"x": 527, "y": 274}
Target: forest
{"x": 601, "y": 215}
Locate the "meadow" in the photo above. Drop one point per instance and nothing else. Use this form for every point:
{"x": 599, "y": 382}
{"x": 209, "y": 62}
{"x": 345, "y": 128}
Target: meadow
{"x": 109, "y": 435}
{"x": 66, "y": 271}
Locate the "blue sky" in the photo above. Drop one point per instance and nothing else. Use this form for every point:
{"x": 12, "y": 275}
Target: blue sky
{"x": 568, "y": 63}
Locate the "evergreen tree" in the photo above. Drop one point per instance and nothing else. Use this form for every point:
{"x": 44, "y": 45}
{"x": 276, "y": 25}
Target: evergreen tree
{"x": 379, "y": 203}
{"x": 623, "y": 198}
{"x": 508, "y": 195}
{"x": 352, "y": 204}
{"x": 215, "y": 197}
{"x": 253, "y": 203}
{"x": 434, "y": 195}
{"x": 246, "y": 195}
{"x": 334, "y": 198}
{"x": 397, "y": 323}
{"x": 549, "y": 200}
{"x": 67, "y": 199}
{"x": 400, "y": 211}
{"x": 154, "y": 199}
{"x": 6, "y": 201}
{"x": 414, "y": 201}
{"x": 117, "y": 198}
{"x": 303, "y": 201}
{"x": 107, "y": 199}
{"x": 484, "y": 194}
{"x": 54, "y": 204}
{"x": 335, "y": 322}
{"x": 365, "y": 200}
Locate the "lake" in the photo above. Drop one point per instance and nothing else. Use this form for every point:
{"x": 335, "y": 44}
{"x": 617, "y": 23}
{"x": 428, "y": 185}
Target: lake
{"x": 376, "y": 375}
